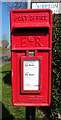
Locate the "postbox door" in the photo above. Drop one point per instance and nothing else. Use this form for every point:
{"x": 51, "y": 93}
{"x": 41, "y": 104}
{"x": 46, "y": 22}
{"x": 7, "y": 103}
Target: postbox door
{"x": 44, "y": 78}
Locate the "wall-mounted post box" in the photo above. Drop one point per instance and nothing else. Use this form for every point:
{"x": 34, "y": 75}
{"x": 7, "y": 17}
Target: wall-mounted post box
{"x": 31, "y": 49}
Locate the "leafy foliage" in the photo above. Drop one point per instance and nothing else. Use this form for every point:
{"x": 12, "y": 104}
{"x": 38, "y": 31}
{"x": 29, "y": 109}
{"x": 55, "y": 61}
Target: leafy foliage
{"x": 55, "y": 107}
{"x": 51, "y": 112}
{"x": 56, "y": 63}
{"x": 5, "y": 43}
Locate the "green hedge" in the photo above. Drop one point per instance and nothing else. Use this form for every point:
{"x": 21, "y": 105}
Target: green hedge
{"x": 56, "y": 75}
{"x": 51, "y": 113}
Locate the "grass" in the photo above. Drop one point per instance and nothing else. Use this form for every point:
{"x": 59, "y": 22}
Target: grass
{"x": 9, "y": 112}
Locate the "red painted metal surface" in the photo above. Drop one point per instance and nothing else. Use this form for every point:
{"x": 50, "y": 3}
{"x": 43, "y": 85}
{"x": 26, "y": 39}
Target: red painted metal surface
{"x": 31, "y": 30}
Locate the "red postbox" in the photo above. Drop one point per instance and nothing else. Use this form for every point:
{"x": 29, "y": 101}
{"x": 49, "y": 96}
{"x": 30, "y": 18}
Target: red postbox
{"x": 31, "y": 51}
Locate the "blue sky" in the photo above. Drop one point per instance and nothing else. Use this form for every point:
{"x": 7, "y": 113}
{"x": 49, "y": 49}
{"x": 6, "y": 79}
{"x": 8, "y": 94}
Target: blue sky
{"x": 5, "y": 22}
{"x": 6, "y": 19}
